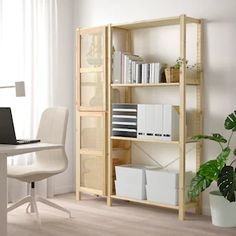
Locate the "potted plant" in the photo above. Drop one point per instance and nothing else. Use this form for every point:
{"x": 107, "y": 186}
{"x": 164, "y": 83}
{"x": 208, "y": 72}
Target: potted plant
{"x": 172, "y": 73}
{"x": 222, "y": 202}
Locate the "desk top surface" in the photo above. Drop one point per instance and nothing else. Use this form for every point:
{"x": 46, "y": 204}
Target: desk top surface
{"x": 11, "y": 150}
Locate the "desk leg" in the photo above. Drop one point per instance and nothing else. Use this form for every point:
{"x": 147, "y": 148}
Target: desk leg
{"x": 3, "y": 195}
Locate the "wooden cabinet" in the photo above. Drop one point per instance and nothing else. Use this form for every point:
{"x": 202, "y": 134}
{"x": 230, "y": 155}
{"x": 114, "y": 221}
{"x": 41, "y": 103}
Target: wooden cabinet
{"x": 91, "y": 112}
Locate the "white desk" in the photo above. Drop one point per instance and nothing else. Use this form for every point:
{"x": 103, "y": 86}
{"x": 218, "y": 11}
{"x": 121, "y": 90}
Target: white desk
{"x": 11, "y": 150}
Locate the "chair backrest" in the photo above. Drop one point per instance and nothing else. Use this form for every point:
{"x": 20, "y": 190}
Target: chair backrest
{"x": 52, "y": 129}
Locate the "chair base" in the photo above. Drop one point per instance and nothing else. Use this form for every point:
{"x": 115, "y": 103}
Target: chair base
{"x": 32, "y": 200}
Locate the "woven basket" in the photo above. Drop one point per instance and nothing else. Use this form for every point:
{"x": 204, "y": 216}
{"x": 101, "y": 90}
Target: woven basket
{"x": 172, "y": 75}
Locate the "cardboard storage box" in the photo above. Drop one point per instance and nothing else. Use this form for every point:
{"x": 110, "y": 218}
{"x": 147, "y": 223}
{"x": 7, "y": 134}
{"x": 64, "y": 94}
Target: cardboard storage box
{"x": 131, "y": 181}
{"x": 163, "y": 186}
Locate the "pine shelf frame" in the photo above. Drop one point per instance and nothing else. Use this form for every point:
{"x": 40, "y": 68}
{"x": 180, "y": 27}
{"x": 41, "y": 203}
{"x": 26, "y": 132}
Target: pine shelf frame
{"x": 182, "y": 21}
{"x": 105, "y": 111}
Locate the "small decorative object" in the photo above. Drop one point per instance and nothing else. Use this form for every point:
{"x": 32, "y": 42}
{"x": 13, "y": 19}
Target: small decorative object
{"x": 172, "y": 73}
{"x": 223, "y": 205}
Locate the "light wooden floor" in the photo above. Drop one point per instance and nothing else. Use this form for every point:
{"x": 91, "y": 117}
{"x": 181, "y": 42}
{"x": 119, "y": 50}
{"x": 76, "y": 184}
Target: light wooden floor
{"x": 91, "y": 217}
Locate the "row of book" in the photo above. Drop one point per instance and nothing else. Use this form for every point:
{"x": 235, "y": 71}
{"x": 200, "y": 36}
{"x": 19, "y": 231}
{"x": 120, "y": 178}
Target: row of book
{"x": 129, "y": 69}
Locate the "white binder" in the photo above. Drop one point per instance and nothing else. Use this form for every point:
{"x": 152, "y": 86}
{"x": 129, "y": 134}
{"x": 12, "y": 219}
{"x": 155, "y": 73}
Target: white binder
{"x": 158, "y": 121}
{"x": 149, "y": 121}
{"x": 141, "y": 129}
{"x": 170, "y": 123}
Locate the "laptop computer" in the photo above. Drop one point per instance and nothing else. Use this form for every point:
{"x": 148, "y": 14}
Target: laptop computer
{"x": 7, "y": 130}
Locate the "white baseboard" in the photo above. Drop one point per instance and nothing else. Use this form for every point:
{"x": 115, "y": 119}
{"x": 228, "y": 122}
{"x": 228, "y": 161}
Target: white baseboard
{"x": 64, "y": 189}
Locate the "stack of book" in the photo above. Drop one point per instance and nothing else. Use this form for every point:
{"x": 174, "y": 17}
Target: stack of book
{"x": 129, "y": 69}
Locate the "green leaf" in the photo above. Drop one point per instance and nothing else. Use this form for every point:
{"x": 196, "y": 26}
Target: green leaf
{"x": 223, "y": 157}
{"x": 227, "y": 183}
{"x": 198, "y": 184}
{"x": 214, "y": 137}
{"x": 230, "y": 122}
{"x": 210, "y": 170}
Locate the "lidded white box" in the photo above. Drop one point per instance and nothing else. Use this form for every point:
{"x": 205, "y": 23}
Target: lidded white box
{"x": 131, "y": 181}
{"x": 163, "y": 186}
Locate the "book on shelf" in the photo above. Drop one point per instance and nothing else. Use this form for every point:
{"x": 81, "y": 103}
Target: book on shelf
{"x": 131, "y": 69}
{"x": 116, "y": 67}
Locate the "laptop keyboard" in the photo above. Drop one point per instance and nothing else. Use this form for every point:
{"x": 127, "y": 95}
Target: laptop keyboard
{"x": 22, "y": 141}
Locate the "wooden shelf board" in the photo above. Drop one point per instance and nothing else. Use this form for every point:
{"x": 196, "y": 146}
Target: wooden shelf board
{"x": 90, "y": 190}
{"x": 91, "y": 69}
{"x": 188, "y": 205}
{"x": 145, "y": 85}
{"x": 155, "y": 23}
{"x": 150, "y": 85}
{"x": 144, "y": 140}
{"x": 86, "y": 151}
{"x": 150, "y": 140}
{"x": 145, "y": 202}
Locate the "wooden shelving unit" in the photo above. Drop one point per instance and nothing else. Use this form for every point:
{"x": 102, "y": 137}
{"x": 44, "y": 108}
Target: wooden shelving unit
{"x": 127, "y": 28}
{"x": 95, "y": 146}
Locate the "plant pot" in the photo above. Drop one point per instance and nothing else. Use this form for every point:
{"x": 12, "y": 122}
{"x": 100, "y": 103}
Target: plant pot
{"x": 223, "y": 212}
{"x": 172, "y": 75}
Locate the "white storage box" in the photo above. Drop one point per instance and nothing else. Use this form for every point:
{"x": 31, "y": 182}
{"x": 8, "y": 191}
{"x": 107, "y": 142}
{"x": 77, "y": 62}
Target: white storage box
{"x": 130, "y": 190}
{"x": 163, "y": 186}
{"x": 131, "y": 181}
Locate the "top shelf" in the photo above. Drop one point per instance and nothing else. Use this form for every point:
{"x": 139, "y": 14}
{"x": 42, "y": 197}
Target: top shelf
{"x": 151, "y": 85}
{"x": 156, "y": 23}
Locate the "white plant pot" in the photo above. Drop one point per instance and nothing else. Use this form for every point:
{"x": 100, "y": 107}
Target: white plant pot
{"x": 223, "y": 212}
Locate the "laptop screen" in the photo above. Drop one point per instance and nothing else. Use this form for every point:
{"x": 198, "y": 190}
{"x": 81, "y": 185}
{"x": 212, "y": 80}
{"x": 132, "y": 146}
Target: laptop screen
{"x": 7, "y": 131}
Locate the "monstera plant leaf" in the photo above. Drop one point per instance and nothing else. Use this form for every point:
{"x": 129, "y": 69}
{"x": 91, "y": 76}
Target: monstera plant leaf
{"x": 230, "y": 122}
{"x": 215, "y": 137}
{"x": 198, "y": 184}
{"x": 210, "y": 170}
{"x": 227, "y": 183}
{"x": 223, "y": 157}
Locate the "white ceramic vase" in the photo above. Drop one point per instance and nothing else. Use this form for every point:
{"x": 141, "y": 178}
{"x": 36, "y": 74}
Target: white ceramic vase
{"x": 223, "y": 212}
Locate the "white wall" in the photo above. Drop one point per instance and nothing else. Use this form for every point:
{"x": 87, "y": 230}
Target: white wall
{"x": 64, "y": 90}
{"x": 219, "y": 46}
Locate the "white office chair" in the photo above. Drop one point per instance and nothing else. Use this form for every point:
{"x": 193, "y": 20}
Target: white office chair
{"x": 52, "y": 129}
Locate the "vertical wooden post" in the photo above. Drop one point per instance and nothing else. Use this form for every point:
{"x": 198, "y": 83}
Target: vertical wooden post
{"x": 105, "y": 113}
{"x": 182, "y": 121}
{"x": 109, "y": 154}
{"x": 199, "y": 110}
{"x": 78, "y": 63}
{"x": 129, "y": 48}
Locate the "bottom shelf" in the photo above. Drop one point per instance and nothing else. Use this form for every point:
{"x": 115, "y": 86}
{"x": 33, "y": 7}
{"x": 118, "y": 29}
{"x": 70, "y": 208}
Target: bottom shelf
{"x": 188, "y": 205}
